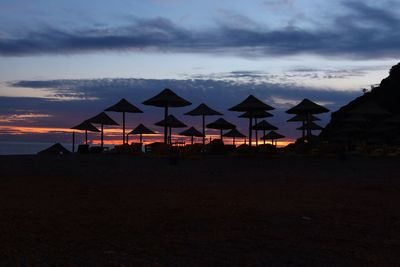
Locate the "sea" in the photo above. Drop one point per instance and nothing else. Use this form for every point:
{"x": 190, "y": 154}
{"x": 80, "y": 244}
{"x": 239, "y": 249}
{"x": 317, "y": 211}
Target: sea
{"x": 26, "y": 148}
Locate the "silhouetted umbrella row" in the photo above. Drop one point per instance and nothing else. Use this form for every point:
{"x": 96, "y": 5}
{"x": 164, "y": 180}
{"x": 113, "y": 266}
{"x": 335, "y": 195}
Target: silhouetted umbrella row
{"x": 252, "y": 107}
{"x": 203, "y": 110}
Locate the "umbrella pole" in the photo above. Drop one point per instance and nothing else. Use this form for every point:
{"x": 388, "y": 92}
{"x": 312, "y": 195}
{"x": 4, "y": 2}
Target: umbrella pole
{"x": 250, "y": 131}
{"x": 123, "y": 128}
{"x": 264, "y": 136}
{"x": 73, "y": 141}
{"x": 170, "y": 135}
{"x": 102, "y": 136}
{"x": 127, "y": 138}
{"x": 303, "y": 130}
{"x": 85, "y": 137}
{"x": 255, "y": 119}
{"x": 140, "y": 138}
{"x": 192, "y": 139}
{"x": 204, "y": 130}
{"x": 221, "y": 134}
{"x": 165, "y": 126}
{"x": 233, "y": 140}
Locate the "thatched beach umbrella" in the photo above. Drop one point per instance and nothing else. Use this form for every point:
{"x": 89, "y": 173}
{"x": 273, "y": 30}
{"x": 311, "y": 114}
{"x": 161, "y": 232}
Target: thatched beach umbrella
{"x": 192, "y": 132}
{"x": 221, "y": 124}
{"x": 102, "y": 119}
{"x": 124, "y": 106}
{"x": 252, "y": 105}
{"x": 170, "y": 122}
{"x": 166, "y": 99}
{"x": 234, "y": 133}
{"x": 203, "y": 110}
{"x": 140, "y": 130}
{"x": 264, "y": 126}
{"x": 273, "y": 136}
{"x": 306, "y": 108}
{"x": 84, "y": 126}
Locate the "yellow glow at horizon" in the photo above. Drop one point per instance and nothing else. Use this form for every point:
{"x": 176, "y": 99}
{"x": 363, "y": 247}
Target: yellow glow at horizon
{"x": 116, "y": 135}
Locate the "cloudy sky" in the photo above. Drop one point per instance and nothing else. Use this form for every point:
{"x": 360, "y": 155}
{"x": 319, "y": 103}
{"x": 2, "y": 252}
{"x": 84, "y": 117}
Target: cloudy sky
{"x": 63, "y": 61}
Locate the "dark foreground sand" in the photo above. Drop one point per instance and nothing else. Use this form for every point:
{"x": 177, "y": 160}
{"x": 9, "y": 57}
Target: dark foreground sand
{"x": 103, "y": 210}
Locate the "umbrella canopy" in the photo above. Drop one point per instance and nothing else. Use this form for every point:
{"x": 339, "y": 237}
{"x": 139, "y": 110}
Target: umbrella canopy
{"x": 124, "y": 106}
{"x": 310, "y": 126}
{"x": 264, "y": 126}
{"x": 203, "y": 110}
{"x": 272, "y": 135}
{"x": 369, "y": 108}
{"x": 191, "y": 132}
{"x": 234, "y": 133}
{"x": 256, "y": 114}
{"x": 251, "y": 103}
{"x": 102, "y": 119}
{"x": 141, "y": 129}
{"x": 166, "y": 99}
{"x": 303, "y": 117}
{"x": 171, "y": 122}
{"x": 306, "y": 106}
{"x": 86, "y": 126}
{"x": 221, "y": 124}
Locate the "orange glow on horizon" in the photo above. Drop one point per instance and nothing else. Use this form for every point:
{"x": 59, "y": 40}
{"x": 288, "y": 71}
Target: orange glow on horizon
{"x": 113, "y": 136}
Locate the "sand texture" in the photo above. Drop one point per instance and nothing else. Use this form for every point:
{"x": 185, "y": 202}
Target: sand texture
{"x": 110, "y": 210}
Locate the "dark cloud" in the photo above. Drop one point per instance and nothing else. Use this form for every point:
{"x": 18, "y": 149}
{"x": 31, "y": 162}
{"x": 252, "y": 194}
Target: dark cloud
{"x": 219, "y": 94}
{"x": 364, "y": 32}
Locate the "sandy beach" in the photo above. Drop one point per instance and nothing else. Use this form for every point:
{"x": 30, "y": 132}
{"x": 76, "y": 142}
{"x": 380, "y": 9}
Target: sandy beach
{"x": 110, "y": 210}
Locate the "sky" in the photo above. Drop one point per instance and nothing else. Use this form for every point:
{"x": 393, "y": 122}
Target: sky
{"x": 64, "y": 61}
